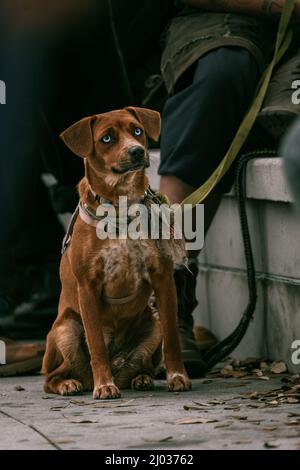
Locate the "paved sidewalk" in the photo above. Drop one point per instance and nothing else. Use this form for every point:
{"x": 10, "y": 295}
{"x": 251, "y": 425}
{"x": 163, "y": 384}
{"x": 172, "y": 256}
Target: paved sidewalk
{"x": 227, "y": 419}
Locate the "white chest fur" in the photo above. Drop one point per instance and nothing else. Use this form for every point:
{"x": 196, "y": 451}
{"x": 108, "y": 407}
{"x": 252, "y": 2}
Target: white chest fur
{"x": 126, "y": 259}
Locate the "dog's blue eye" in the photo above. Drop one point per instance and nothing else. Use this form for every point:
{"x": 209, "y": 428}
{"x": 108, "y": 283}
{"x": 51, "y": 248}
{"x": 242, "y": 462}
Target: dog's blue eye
{"x": 106, "y": 139}
{"x": 138, "y": 131}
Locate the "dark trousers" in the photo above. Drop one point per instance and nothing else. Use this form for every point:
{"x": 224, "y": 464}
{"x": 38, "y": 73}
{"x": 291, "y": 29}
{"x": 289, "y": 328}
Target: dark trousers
{"x": 201, "y": 119}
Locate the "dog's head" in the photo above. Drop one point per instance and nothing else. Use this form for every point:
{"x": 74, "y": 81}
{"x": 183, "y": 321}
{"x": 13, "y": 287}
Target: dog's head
{"x": 114, "y": 142}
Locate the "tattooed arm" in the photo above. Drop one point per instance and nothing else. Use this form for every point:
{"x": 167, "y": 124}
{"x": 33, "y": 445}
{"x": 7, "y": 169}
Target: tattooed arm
{"x": 266, "y": 8}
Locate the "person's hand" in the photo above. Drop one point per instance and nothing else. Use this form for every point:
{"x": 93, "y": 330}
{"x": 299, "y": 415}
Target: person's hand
{"x": 263, "y": 8}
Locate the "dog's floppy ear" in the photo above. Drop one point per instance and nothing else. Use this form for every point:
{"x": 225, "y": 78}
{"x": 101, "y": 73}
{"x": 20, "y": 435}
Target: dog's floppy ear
{"x": 150, "y": 120}
{"x": 79, "y": 137}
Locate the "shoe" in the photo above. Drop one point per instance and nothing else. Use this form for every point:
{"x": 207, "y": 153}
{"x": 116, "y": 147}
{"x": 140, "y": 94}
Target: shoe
{"x": 280, "y": 108}
{"x": 31, "y": 316}
{"x": 32, "y": 319}
{"x": 21, "y": 359}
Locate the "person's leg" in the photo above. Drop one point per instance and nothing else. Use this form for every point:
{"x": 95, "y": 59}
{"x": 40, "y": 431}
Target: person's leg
{"x": 198, "y": 125}
{"x": 26, "y": 217}
{"x": 142, "y": 57}
{"x": 30, "y": 234}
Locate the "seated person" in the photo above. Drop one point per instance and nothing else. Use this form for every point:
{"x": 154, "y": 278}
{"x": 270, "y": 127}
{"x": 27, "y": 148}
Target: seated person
{"x": 213, "y": 58}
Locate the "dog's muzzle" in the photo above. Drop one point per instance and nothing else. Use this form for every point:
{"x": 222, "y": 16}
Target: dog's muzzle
{"x": 138, "y": 159}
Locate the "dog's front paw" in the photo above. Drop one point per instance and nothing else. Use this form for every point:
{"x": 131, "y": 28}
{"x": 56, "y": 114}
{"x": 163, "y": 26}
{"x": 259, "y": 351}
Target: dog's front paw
{"x": 179, "y": 382}
{"x": 106, "y": 392}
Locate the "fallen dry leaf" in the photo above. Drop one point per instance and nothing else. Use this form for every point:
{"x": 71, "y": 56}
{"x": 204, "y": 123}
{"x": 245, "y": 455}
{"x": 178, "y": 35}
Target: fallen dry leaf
{"x": 58, "y": 408}
{"x": 227, "y": 370}
{"x": 292, "y": 400}
{"x": 239, "y": 374}
{"x": 195, "y": 420}
{"x": 244, "y": 441}
{"x": 271, "y": 444}
{"x": 191, "y": 407}
{"x": 80, "y": 402}
{"x": 225, "y": 425}
{"x": 79, "y": 421}
{"x": 293, "y": 422}
{"x": 233, "y": 407}
{"x": 201, "y": 403}
{"x": 216, "y": 402}
{"x": 155, "y": 441}
{"x": 83, "y": 421}
{"x": 123, "y": 412}
{"x": 239, "y": 417}
{"x": 273, "y": 402}
{"x": 251, "y": 395}
{"x": 114, "y": 405}
{"x": 64, "y": 440}
{"x": 278, "y": 367}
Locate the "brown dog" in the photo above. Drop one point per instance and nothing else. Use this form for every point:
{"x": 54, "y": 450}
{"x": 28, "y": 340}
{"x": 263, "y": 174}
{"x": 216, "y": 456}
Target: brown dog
{"x": 99, "y": 341}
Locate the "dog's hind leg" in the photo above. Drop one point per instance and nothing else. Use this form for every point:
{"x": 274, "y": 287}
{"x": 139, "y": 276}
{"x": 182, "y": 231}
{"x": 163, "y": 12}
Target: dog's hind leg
{"x": 138, "y": 369}
{"x": 143, "y": 382}
{"x": 66, "y": 364}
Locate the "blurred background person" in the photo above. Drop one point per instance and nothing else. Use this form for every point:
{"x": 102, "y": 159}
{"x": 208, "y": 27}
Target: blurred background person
{"x": 61, "y": 60}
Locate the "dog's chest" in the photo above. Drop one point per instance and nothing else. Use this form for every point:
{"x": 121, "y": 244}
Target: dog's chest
{"x": 128, "y": 260}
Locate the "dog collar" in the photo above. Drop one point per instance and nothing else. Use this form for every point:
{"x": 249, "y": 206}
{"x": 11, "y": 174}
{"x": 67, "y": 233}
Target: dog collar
{"x": 101, "y": 200}
{"x": 89, "y": 216}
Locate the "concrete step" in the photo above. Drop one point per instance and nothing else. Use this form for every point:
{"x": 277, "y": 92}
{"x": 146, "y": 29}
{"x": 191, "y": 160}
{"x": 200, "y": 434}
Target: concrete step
{"x": 222, "y": 285}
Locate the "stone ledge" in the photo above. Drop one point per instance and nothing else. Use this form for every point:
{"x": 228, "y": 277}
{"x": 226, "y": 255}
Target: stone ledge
{"x": 265, "y": 178}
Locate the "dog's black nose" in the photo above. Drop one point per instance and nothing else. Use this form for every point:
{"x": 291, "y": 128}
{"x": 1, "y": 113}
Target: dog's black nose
{"x": 136, "y": 153}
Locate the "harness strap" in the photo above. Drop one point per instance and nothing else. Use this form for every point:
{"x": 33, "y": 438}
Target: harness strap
{"x": 88, "y": 216}
{"x": 68, "y": 235}
{"x": 120, "y": 300}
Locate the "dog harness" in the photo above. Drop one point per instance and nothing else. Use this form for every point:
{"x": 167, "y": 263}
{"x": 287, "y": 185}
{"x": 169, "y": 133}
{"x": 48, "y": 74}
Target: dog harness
{"x": 88, "y": 215}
